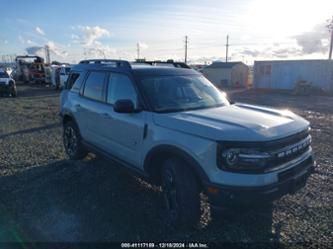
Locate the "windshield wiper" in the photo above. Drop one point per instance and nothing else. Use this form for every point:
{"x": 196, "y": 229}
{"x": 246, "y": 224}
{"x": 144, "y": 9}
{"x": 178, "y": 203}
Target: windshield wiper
{"x": 172, "y": 110}
{"x": 189, "y": 109}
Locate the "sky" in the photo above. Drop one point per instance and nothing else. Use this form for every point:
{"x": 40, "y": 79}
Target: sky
{"x": 79, "y": 29}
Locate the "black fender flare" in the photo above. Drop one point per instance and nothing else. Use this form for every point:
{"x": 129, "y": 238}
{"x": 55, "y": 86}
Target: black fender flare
{"x": 65, "y": 116}
{"x": 172, "y": 150}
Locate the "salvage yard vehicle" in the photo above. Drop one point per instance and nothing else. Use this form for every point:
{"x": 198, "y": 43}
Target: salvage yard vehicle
{"x": 55, "y": 76}
{"x": 175, "y": 128}
{"x": 48, "y": 72}
{"x": 64, "y": 72}
{"x": 30, "y": 69}
{"x": 7, "y": 84}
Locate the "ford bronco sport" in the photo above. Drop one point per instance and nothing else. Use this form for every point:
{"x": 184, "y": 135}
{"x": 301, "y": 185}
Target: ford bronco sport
{"x": 174, "y": 127}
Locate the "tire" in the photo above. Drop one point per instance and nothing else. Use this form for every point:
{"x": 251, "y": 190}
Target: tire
{"x": 181, "y": 193}
{"x": 72, "y": 141}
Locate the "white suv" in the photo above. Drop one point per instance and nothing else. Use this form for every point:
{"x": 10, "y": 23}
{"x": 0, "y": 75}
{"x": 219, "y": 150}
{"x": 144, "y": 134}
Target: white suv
{"x": 175, "y": 128}
{"x": 7, "y": 84}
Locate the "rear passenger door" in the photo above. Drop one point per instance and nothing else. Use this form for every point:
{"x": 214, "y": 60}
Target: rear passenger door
{"x": 88, "y": 109}
{"x": 123, "y": 131}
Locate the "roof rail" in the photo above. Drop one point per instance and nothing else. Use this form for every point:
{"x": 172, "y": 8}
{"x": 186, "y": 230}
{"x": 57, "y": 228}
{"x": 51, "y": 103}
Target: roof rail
{"x": 116, "y": 63}
{"x": 155, "y": 62}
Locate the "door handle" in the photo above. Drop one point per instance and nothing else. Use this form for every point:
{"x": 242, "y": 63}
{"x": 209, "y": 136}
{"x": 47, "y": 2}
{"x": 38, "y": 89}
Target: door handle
{"x": 78, "y": 106}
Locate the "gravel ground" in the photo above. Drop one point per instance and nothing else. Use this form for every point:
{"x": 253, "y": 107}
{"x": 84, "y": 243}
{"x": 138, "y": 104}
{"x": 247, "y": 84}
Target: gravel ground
{"x": 46, "y": 197}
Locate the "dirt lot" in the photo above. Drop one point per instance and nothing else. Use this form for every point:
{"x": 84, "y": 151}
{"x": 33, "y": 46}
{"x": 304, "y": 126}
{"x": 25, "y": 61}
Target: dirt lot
{"x": 46, "y": 197}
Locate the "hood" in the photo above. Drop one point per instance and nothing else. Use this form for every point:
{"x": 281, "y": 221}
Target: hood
{"x": 239, "y": 122}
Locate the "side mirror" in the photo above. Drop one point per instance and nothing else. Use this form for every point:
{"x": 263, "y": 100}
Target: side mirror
{"x": 124, "y": 106}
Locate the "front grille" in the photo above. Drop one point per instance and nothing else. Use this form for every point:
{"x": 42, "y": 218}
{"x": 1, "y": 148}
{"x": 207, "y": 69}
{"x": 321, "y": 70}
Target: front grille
{"x": 290, "y": 152}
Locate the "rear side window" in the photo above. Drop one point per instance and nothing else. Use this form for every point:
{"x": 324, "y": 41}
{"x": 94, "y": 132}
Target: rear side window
{"x": 120, "y": 87}
{"x": 93, "y": 88}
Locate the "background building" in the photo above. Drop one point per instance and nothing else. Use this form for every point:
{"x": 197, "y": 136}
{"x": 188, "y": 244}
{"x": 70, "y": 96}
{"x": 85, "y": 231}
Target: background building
{"x": 227, "y": 74}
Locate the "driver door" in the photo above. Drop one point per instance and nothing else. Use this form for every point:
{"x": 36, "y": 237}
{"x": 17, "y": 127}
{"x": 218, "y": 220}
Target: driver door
{"x": 123, "y": 131}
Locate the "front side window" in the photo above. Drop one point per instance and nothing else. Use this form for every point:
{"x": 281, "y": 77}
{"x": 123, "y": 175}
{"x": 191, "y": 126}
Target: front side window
{"x": 93, "y": 88}
{"x": 120, "y": 87}
{"x": 181, "y": 93}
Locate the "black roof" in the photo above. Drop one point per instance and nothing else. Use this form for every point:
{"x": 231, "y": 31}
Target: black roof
{"x": 124, "y": 66}
{"x": 161, "y": 70}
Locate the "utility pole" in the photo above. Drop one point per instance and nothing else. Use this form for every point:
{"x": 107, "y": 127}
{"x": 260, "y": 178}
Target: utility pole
{"x": 330, "y": 28}
{"x": 47, "y": 54}
{"x": 186, "y": 42}
{"x": 138, "y": 50}
{"x": 227, "y": 48}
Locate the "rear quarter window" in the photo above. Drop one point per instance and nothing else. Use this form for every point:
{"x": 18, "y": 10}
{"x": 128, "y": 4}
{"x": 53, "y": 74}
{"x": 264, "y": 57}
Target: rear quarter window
{"x": 75, "y": 80}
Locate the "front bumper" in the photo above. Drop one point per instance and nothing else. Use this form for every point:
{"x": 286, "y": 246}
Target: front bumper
{"x": 290, "y": 181}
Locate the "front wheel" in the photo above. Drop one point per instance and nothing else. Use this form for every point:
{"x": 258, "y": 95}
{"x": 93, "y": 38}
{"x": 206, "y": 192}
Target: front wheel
{"x": 181, "y": 192}
{"x": 72, "y": 141}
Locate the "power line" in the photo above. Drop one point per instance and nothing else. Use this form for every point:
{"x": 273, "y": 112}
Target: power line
{"x": 186, "y": 42}
{"x": 47, "y": 54}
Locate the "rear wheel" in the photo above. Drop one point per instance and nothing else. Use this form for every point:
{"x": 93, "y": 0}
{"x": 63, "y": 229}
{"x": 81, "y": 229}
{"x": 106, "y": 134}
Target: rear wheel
{"x": 72, "y": 141}
{"x": 181, "y": 194}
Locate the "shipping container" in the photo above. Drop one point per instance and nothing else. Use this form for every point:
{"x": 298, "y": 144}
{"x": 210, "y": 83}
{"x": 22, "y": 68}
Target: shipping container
{"x": 284, "y": 74}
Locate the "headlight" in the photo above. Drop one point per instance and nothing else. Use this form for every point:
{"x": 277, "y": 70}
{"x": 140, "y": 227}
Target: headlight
{"x": 242, "y": 159}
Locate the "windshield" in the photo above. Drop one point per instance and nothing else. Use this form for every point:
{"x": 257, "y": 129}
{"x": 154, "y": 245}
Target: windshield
{"x": 181, "y": 93}
{"x": 3, "y": 75}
